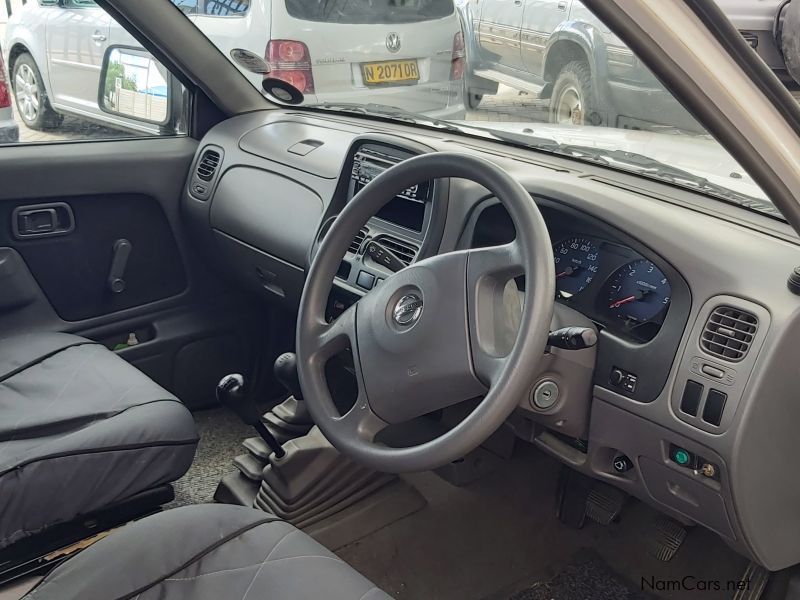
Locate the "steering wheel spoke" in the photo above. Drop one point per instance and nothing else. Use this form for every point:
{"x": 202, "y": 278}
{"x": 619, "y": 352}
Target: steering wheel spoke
{"x": 499, "y": 262}
{"x": 447, "y": 328}
{"x": 495, "y": 307}
{"x": 332, "y": 338}
{"x": 361, "y": 422}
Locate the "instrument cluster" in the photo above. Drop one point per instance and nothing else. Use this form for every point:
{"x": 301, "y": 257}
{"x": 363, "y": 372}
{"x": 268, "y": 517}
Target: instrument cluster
{"x": 611, "y": 284}
{"x": 597, "y": 273}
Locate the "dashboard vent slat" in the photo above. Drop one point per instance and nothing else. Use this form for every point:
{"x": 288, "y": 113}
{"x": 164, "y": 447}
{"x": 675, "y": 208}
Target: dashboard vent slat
{"x": 207, "y": 167}
{"x": 728, "y": 333}
{"x": 357, "y": 241}
{"x": 405, "y": 251}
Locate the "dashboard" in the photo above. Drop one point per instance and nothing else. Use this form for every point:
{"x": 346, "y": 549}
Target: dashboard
{"x": 696, "y": 326}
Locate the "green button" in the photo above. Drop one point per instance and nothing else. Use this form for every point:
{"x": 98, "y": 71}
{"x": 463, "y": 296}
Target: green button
{"x": 681, "y": 456}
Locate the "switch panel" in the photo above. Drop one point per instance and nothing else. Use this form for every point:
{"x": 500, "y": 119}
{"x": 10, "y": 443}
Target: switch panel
{"x": 622, "y": 379}
{"x": 692, "y": 394}
{"x": 714, "y": 406}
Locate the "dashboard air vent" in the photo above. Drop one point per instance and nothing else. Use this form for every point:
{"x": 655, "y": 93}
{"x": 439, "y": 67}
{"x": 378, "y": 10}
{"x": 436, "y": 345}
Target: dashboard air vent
{"x": 208, "y": 164}
{"x": 357, "y": 241}
{"x": 405, "y": 251}
{"x": 729, "y": 332}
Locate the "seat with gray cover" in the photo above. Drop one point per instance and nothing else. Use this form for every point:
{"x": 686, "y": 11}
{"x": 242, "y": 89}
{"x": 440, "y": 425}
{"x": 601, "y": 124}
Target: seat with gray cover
{"x": 206, "y": 552}
{"x": 80, "y": 430}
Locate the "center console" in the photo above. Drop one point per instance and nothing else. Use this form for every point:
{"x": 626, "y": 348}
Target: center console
{"x": 408, "y": 228}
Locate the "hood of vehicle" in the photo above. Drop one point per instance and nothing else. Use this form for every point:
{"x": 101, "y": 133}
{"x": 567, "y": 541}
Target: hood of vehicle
{"x": 700, "y": 155}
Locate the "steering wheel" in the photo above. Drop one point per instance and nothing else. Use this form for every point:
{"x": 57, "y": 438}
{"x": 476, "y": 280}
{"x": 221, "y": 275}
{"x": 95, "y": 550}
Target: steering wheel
{"x": 434, "y": 334}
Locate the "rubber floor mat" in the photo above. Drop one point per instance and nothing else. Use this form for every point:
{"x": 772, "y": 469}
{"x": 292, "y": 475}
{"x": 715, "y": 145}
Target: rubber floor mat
{"x": 586, "y": 577}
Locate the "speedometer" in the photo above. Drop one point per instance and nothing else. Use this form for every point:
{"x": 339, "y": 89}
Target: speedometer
{"x": 638, "y": 292}
{"x": 577, "y": 260}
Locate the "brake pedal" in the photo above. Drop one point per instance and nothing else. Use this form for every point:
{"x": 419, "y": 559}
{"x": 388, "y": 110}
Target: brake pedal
{"x": 668, "y": 535}
{"x": 752, "y": 582}
{"x": 573, "y": 492}
{"x": 604, "y": 503}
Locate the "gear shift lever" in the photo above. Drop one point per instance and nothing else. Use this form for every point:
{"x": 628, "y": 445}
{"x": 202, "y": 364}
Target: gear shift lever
{"x": 231, "y": 393}
{"x": 286, "y": 372}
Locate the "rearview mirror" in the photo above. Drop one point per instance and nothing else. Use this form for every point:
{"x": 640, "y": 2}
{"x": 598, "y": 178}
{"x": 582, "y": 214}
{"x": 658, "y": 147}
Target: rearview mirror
{"x": 135, "y": 86}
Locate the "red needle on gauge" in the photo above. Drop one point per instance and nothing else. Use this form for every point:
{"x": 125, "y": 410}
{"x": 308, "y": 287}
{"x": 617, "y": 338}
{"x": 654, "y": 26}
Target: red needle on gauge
{"x": 619, "y": 303}
{"x": 567, "y": 271}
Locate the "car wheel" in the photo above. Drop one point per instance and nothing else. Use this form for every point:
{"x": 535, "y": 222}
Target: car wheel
{"x": 32, "y": 102}
{"x": 572, "y": 99}
{"x": 790, "y": 40}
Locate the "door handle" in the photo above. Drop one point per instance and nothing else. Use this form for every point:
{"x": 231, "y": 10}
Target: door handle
{"x": 42, "y": 220}
{"x": 562, "y": 6}
{"x": 99, "y": 37}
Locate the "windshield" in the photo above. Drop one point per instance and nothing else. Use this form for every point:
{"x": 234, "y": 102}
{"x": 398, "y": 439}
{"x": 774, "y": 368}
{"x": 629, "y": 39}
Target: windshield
{"x": 546, "y": 74}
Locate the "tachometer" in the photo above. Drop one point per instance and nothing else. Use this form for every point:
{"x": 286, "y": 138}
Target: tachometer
{"x": 638, "y": 292}
{"x": 577, "y": 260}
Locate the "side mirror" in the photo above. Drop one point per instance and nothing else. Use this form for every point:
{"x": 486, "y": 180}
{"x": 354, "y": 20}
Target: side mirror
{"x": 135, "y": 86}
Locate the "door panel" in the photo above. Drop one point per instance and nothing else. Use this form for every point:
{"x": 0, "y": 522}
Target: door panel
{"x": 498, "y": 32}
{"x": 73, "y": 268}
{"x": 188, "y": 326}
{"x": 76, "y": 42}
{"x": 539, "y": 20}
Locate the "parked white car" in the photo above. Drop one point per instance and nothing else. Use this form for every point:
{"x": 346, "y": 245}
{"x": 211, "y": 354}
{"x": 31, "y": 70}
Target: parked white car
{"x": 409, "y": 55}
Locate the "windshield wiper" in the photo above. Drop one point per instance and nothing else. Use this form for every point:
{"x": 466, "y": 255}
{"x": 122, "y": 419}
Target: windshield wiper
{"x": 630, "y": 161}
{"x": 385, "y": 110}
{"x": 644, "y": 165}
{"x": 640, "y": 164}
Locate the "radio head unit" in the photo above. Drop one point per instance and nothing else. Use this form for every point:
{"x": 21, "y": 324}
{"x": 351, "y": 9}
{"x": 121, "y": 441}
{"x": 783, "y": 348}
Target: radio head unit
{"x": 406, "y": 209}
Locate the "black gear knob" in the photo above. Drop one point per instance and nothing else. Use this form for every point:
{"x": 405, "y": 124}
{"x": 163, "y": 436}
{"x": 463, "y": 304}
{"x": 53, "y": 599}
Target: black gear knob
{"x": 286, "y": 372}
{"x": 231, "y": 394}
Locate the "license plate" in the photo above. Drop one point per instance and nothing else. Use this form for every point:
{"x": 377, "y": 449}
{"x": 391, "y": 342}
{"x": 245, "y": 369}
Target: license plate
{"x": 393, "y": 71}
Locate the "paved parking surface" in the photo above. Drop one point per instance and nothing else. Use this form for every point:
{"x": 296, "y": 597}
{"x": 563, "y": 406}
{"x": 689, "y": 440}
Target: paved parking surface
{"x": 509, "y": 105}
{"x": 71, "y": 129}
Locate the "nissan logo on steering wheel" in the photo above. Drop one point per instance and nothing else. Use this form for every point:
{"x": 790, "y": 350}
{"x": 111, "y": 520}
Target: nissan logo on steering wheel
{"x": 407, "y": 310}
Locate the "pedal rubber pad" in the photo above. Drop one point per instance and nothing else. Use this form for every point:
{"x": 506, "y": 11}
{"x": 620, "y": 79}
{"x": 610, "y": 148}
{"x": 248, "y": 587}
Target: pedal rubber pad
{"x": 668, "y": 535}
{"x": 753, "y": 582}
{"x": 604, "y": 503}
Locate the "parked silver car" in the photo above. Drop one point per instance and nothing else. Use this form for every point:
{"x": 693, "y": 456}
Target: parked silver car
{"x": 56, "y": 49}
{"x": 557, "y": 50}
{"x": 9, "y": 131}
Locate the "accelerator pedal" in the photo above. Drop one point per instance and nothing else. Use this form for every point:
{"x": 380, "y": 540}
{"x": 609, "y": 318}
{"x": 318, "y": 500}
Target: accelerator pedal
{"x": 604, "y": 503}
{"x": 668, "y": 535}
{"x": 752, "y": 583}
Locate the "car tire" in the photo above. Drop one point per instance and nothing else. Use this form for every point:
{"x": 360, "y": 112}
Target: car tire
{"x": 790, "y": 40}
{"x": 572, "y": 101}
{"x": 33, "y": 104}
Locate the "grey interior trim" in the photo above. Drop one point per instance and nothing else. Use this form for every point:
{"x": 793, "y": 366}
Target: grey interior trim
{"x": 437, "y": 280}
{"x": 195, "y": 56}
{"x": 679, "y": 65}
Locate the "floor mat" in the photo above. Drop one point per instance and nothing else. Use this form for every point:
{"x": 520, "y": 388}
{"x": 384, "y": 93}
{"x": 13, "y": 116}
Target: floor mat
{"x": 587, "y": 576}
{"x": 221, "y": 435}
